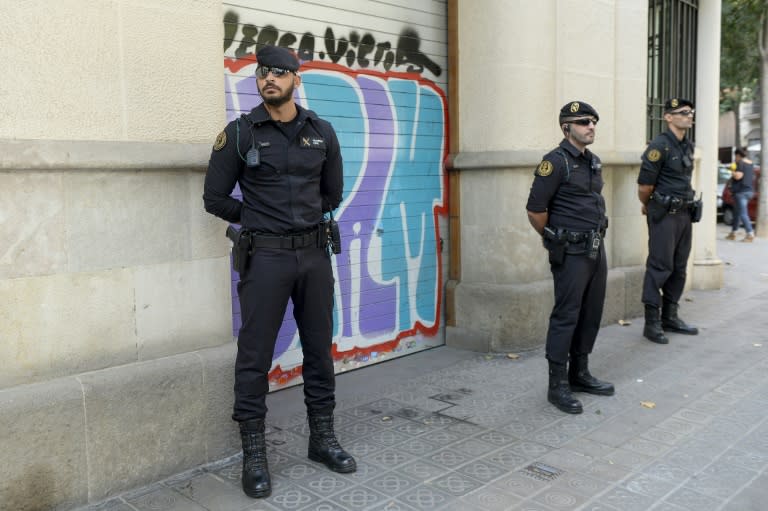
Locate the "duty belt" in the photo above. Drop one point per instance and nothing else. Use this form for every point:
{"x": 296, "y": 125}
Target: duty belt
{"x": 579, "y": 237}
{"x": 308, "y": 239}
{"x": 671, "y": 203}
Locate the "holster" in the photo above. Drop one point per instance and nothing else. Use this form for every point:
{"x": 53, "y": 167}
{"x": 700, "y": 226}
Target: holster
{"x": 241, "y": 248}
{"x": 555, "y": 244}
{"x": 657, "y": 208}
{"x": 697, "y": 208}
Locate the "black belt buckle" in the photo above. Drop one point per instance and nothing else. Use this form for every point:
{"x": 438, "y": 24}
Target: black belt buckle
{"x": 675, "y": 205}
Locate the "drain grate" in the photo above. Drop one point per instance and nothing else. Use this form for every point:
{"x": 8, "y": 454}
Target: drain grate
{"x": 542, "y": 472}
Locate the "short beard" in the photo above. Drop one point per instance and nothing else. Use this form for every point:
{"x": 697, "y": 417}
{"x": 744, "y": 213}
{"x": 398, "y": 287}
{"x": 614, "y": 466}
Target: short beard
{"x": 279, "y": 100}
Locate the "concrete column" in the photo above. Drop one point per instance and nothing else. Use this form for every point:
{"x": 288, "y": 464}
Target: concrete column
{"x": 707, "y": 267}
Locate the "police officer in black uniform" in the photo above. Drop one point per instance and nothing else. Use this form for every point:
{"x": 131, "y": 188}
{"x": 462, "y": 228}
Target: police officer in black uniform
{"x": 566, "y": 208}
{"x": 288, "y": 164}
{"x": 664, "y": 188}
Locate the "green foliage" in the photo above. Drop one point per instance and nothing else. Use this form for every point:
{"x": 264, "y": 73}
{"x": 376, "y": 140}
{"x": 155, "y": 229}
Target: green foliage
{"x": 740, "y": 51}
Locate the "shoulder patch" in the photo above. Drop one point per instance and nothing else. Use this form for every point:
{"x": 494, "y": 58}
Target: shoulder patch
{"x": 544, "y": 169}
{"x": 654, "y": 155}
{"x": 220, "y": 142}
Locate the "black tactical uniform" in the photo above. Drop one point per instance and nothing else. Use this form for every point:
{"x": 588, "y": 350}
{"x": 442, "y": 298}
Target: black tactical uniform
{"x": 667, "y": 165}
{"x": 568, "y": 185}
{"x": 298, "y": 177}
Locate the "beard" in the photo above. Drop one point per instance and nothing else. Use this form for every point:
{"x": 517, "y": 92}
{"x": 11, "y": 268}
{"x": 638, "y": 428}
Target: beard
{"x": 280, "y": 100}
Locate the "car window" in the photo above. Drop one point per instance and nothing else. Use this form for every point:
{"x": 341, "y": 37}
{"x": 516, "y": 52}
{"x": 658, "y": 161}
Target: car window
{"x": 723, "y": 174}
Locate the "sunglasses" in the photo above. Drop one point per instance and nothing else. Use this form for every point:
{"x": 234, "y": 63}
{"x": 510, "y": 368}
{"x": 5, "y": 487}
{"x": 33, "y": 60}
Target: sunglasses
{"x": 583, "y": 122}
{"x": 263, "y": 71}
{"x": 685, "y": 113}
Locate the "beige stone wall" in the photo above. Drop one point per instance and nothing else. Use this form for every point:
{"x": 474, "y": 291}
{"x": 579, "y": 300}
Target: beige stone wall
{"x": 107, "y": 255}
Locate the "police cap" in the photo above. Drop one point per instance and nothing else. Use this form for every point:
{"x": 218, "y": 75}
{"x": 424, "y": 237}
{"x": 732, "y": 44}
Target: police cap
{"x": 276, "y": 56}
{"x": 675, "y": 103}
{"x": 576, "y": 109}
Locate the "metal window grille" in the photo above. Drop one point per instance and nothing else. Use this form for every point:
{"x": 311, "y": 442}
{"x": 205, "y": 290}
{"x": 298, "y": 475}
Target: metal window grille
{"x": 672, "y": 30}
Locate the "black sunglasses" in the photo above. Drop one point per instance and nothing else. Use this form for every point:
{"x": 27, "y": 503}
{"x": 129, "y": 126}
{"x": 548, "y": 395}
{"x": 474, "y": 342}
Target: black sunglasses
{"x": 583, "y": 122}
{"x": 684, "y": 113}
{"x": 263, "y": 71}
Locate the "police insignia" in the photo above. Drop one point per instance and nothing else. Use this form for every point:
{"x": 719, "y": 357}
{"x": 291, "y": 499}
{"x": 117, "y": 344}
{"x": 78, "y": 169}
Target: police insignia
{"x": 575, "y": 107}
{"x": 544, "y": 169}
{"x": 675, "y": 103}
{"x": 654, "y": 155}
{"x": 221, "y": 141}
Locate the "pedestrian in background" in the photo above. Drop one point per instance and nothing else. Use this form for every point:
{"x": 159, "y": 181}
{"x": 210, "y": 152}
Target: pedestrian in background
{"x": 288, "y": 164}
{"x": 566, "y": 208}
{"x": 742, "y": 191}
{"x": 664, "y": 189}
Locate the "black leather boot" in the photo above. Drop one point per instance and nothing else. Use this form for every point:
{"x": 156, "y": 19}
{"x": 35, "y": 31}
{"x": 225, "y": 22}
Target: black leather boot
{"x": 671, "y": 322}
{"x": 256, "y": 481}
{"x": 325, "y": 448}
{"x": 559, "y": 393}
{"x": 652, "y": 330}
{"x": 582, "y": 381}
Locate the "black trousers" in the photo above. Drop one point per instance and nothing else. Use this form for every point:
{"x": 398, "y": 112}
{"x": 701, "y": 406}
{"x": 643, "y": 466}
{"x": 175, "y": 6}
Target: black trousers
{"x": 669, "y": 245}
{"x": 579, "y": 297}
{"x": 274, "y": 275}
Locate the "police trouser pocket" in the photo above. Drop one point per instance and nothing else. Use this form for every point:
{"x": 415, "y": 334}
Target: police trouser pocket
{"x": 655, "y": 211}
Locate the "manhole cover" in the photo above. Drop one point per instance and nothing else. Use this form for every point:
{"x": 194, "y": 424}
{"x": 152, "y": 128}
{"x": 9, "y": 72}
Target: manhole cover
{"x": 541, "y": 471}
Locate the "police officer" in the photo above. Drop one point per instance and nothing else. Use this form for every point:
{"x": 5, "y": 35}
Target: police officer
{"x": 288, "y": 164}
{"x": 664, "y": 189}
{"x": 566, "y": 208}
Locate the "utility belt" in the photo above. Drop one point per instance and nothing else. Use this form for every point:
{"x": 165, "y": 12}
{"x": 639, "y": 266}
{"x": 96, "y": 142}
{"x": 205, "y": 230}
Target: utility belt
{"x": 560, "y": 242}
{"x": 325, "y": 235}
{"x": 661, "y": 205}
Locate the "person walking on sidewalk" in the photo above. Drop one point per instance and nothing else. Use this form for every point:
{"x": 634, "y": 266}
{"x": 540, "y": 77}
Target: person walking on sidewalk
{"x": 664, "y": 189}
{"x": 566, "y": 208}
{"x": 741, "y": 188}
{"x": 288, "y": 164}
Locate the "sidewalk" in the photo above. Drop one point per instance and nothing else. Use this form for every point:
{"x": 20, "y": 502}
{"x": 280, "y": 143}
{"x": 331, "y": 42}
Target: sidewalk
{"x": 455, "y": 430}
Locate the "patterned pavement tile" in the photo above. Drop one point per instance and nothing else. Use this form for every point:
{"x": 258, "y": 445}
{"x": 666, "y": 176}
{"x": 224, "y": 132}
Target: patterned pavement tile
{"x": 497, "y": 438}
{"x": 391, "y": 458}
{"x": 720, "y": 480}
{"x": 517, "y": 428}
{"x": 363, "y": 448}
{"x": 679, "y": 426}
{"x": 391, "y": 505}
{"x": 693, "y": 416}
{"x": 626, "y": 500}
{"x": 567, "y": 459}
{"x": 164, "y": 499}
{"x": 598, "y": 506}
{"x": 648, "y": 485}
{"x": 323, "y": 505}
{"x": 412, "y": 428}
{"x": 300, "y": 470}
{"x": 441, "y": 437}
{"x": 580, "y": 483}
{"x": 630, "y": 459}
{"x": 449, "y": 457}
{"x": 389, "y": 437}
{"x": 419, "y": 446}
{"x": 466, "y": 429}
{"x": 667, "y": 472}
{"x": 520, "y": 484}
{"x": 490, "y": 498}
{"x": 293, "y": 497}
{"x": 327, "y": 483}
{"x": 455, "y": 484}
{"x": 212, "y": 493}
{"x": 425, "y": 497}
{"x": 392, "y": 483}
{"x": 530, "y": 449}
{"x": 664, "y": 436}
{"x": 558, "y": 497}
{"x": 647, "y": 447}
{"x": 482, "y": 471}
{"x": 365, "y": 470}
{"x": 473, "y": 447}
{"x": 689, "y": 458}
{"x": 689, "y": 499}
{"x": 506, "y": 457}
{"x": 607, "y": 471}
{"x": 423, "y": 470}
{"x": 358, "y": 497}
{"x": 752, "y": 460}
{"x": 530, "y": 505}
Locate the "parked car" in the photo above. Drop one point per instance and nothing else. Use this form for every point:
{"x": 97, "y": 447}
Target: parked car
{"x": 723, "y": 175}
{"x": 751, "y": 206}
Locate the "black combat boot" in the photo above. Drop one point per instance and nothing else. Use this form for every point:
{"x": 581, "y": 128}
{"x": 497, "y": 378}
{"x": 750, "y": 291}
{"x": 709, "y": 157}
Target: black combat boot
{"x": 256, "y": 481}
{"x": 559, "y": 393}
{"x": 582, "y": 381}
{"x": 325, "y": 448}
{"x": 671, "y": 322}
{"x": 652, "y": 330}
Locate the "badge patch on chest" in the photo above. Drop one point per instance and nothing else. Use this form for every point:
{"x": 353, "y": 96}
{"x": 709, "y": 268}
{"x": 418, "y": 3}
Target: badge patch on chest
{"x": 544, "y": 169}
{"x": 220, "y": 142}
{"x": 313, "y": 142}
{"x": 654, "y": 155}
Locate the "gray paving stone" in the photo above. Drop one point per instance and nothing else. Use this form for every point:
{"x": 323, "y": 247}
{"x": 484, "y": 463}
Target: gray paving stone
{"x": 690, "y": 499}
{"x": 212, "y": 493}
{"x": 423, "y": 470}
{"x": 358, "y": 497}
{"x": 425, "y": 497}
{"x": 626, "y": 500}
{"x": 559, "y": 497}
{"x": 720, "y": 480}
{"x": 392, "y": 483}
{"x": 455, "y": 483}
{"x": 648, "y": 485}
{"x": 164, "y": 499}
{"x": 489, "y": 498}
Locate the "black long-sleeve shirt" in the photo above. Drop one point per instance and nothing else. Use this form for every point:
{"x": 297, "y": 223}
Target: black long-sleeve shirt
{"x": 667, "y": 164}
{"x": 300, "y": 175}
